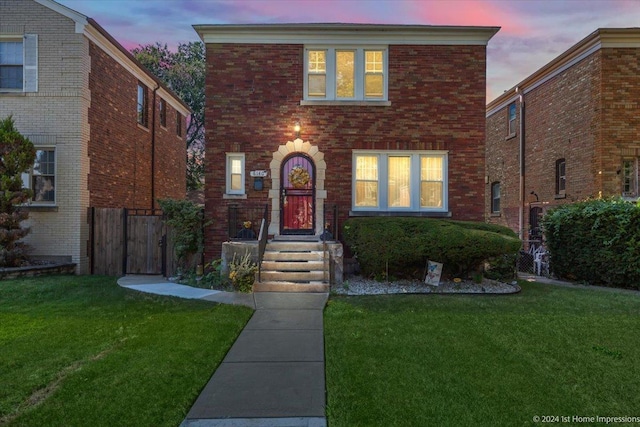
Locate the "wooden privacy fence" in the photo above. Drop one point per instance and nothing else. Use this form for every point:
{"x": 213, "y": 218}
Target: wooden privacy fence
{"x": 130, "y": 241}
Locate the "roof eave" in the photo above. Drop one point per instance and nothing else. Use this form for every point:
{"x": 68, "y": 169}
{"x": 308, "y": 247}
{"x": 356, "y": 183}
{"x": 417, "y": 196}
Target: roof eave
{"x": 336, "y": 33}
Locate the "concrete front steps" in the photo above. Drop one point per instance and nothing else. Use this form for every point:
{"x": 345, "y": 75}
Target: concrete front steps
{"x": 293, "y": 266}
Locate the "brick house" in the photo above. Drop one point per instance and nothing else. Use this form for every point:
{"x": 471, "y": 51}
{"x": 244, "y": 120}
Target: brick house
{"x": 106, "y": 131}
{"x": 390, "y": 122}
{"x": 575, "y": 124}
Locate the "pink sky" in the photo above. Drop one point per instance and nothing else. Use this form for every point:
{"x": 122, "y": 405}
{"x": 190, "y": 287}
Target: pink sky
{"x": 532, "y": 34}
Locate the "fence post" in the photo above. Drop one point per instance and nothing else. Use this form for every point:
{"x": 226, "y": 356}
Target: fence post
{"x": 163, "y": 249}
{"x": 92, "y": 238}
{"x": 125, "y": 215}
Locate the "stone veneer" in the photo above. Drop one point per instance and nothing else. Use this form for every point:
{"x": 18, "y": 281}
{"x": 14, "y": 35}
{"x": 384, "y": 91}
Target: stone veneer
{"x": 297, "y": 146}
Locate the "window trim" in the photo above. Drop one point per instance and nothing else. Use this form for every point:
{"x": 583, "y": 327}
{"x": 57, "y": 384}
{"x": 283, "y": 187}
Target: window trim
{"x": 142, "y": 105}
{"x": 415, "y": 181}
{"x": 559, "y": 176}
{"x": 27, "y": 179}
{"x": 229, "y": 158}
{"x": 495, "y": 197}
{"x": 359, "y": 70}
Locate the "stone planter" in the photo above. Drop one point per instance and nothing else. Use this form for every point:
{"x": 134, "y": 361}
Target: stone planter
{"x": 37, "y": 270}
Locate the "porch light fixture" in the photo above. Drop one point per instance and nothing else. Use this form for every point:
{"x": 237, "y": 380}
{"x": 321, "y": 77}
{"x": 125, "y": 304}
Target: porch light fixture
{"x": 296, "y": 129}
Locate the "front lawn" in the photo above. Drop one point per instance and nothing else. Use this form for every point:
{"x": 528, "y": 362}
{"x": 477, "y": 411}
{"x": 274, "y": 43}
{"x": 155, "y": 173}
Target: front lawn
{"x": 82, "y": 351}
{"x": 454, "y": 360}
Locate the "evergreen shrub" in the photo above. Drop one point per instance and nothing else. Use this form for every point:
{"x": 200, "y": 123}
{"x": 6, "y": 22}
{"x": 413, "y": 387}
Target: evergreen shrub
{"x": 401, "y": 246}
{"x": 595, "y": 241}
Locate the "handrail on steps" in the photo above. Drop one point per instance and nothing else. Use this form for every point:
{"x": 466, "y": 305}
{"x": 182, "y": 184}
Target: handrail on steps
{"x": 262, "y": 239}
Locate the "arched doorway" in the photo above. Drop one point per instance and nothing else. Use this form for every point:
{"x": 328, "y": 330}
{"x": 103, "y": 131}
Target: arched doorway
{"x": 297, "y": 195}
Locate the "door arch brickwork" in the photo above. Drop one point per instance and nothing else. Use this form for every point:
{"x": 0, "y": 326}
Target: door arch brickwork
{"x": 317, "y": 156}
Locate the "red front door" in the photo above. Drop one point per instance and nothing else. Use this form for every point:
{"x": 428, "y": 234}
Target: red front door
{"x": 297, "y": 195}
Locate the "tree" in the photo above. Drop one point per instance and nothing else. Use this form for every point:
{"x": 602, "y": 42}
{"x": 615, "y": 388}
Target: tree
{"x": 184, "y": 72}
{"x": 17, "y": 155}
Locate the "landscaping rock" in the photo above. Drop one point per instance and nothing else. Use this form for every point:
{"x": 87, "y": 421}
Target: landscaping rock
{"x": 358, "y": 285}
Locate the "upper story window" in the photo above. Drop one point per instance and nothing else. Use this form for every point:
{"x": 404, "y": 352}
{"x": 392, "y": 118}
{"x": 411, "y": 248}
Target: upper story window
{"x": 345, "y": 74}
{"x": 19, "y": 63}
{"x": 512, "y": 119}
{"x": 399, "y": 181}
{"x": 41, "y": 178}
{"x": 143, "y": 115}
{"x": 178, "y": 124}
{"x": 561, "y": 177}
{"x": 163, "y": 113}
{"x": 630, "y": 178}
{"x": 495, "y": 197}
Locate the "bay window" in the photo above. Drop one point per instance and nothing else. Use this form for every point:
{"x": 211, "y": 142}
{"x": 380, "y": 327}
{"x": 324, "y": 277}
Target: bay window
{"x": 400, "y": 181}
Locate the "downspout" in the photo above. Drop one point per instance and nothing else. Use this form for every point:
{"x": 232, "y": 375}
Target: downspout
{"x": 153, "y": 149}
{"x": 522, "y": 165}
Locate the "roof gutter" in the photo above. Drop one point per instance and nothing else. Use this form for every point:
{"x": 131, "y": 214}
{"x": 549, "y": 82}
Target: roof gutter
{"x": 522, "y": 163}
{"x": 153, "y": 148}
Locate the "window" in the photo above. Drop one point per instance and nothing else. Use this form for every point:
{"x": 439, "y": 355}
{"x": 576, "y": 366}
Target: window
{"x": 351, "y": 74}
{"x": 178, "y": 124}
{"x": 399, "y": 181}
{"x": 142, "y": 105}
{"x": 41, "y": 179}
{"x": 235, "y": 173}
{"x": 630, "y": 178}
{"x": 512, "y": 119}
{"x": 495, "y": 197}
{"x": 561, "y": 177}
{"x": 19, "y": 63}
{"x": 163, "y": 113}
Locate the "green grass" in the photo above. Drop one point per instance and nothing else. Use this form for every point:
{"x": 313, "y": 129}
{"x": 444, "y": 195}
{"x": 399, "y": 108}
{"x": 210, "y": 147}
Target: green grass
{"x": 80, "y": 351}
{"x": 454, "y": 360}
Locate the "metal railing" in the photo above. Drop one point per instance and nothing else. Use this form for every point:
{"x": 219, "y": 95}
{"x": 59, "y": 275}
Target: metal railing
{"x": 238, "y": 215}
{"x": 330, "y": 232}
{"x": 262, "y": 239}
{"x": 534, "y": 258}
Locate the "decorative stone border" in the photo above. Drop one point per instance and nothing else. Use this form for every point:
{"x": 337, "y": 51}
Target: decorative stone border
{"x": 37, "y": 270}
{"x": 297, "y": 146}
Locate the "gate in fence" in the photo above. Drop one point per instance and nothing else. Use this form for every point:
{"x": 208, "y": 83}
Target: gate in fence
{"x": 129, "y": 241}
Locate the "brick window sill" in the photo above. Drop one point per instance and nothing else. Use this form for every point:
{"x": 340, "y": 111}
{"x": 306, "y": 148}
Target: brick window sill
{"x": 347, "y": 103}
{"x": 386, "y": 213}
{"x": 510, "y": 136}
{"x": 560, "y": 196}
{"x": 495, "y": 214}
{"x": 234, "y": 196}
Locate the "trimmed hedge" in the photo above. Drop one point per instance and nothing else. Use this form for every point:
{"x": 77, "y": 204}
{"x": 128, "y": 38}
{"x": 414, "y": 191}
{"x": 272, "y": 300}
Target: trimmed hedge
{"x": 596, "y": 241}
{"x": 403, "y": 245}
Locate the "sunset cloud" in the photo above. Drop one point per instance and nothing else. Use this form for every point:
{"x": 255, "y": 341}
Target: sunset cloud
{"x": 533, "y": 32}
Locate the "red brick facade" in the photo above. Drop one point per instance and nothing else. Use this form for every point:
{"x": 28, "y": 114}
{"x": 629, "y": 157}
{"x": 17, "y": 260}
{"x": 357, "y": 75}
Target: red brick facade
{"x": 254, "y": 92}
{"x": 586, "y": 114}
{"x": 121, "y": 151}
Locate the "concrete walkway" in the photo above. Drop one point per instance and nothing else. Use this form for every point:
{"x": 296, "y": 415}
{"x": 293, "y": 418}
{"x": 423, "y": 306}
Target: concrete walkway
{"x": 161, "y": 286}
{"x": 273, "y": 375}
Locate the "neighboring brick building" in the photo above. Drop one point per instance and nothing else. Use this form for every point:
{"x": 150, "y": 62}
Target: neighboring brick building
{"x": 576, "y": 122}
{"x": 106, "y": 130}
{"x": 391, "y": 122}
